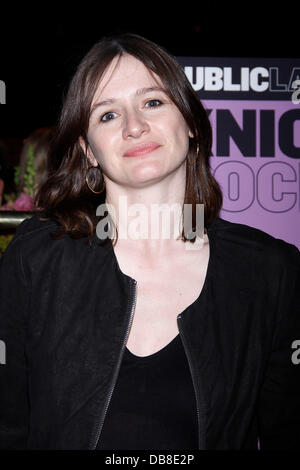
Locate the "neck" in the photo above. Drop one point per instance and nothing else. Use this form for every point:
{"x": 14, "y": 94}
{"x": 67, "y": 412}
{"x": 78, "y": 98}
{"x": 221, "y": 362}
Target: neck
{"x": 150, "y": 215}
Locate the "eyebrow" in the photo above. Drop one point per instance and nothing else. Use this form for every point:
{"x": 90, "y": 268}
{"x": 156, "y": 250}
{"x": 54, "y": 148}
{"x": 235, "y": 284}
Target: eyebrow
{"x": 141, "y": 91}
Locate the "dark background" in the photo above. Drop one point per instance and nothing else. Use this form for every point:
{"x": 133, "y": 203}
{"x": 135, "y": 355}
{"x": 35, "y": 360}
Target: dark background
{"x": 40, "y": 48}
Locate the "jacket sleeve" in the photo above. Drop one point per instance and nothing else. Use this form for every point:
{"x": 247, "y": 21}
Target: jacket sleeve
{"x": 279, "y": 403}
{"x": 14, "y": 298}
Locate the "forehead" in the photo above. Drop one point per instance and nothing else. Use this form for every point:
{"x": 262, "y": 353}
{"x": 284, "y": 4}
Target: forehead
{"x": 125, "y": 74}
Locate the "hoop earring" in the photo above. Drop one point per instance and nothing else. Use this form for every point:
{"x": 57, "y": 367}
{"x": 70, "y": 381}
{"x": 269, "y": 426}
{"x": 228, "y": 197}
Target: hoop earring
{"x": 88, "y": 185}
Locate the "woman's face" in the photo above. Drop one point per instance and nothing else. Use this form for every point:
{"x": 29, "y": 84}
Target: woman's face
{"x": 136, "y": 133}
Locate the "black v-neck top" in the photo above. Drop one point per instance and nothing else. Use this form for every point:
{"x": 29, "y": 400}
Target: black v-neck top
{"x": 153, "y": 405}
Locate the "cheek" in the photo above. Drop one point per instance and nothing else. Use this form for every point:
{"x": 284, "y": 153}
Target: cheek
{"x": 98, "y": 146}
{"x": 103, "y": 149}
{"x": 105, "y": 142}
{"x": 180, "y": 134}
{"x": 176, "y": 123}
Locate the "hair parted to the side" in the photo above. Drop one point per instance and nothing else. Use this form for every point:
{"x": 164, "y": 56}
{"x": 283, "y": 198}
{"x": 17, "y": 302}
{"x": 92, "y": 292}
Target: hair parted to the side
{"x": 65, "y": 197}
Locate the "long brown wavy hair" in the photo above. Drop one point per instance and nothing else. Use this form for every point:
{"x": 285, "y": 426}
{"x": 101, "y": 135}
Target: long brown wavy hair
{"x": 64, "y": 196}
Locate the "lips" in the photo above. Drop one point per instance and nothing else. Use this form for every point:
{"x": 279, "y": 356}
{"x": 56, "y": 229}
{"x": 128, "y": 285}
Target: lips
{"x": 141, "y": 149}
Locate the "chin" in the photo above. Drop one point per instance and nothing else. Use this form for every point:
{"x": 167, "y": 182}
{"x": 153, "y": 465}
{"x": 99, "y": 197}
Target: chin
{"x": 148, "y": 172}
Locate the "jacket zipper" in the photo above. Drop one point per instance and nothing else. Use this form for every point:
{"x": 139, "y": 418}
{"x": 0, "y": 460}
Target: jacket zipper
{"x": 117, "y": 369}
{"x": 182, "y": 334}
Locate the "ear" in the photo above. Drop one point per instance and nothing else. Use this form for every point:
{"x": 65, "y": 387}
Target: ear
{"x": 88, "y": 152}
{"x": 191, "y": 135}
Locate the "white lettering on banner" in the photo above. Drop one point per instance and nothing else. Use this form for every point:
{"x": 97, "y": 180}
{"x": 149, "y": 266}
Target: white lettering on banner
{"x": 197, "y": 82}
{"x": 217, "y": 78}
{"x": 245, "y": 79}
{"x": 255, "y": 77}
{"x": 258, "y": 79}
{"x": 228, "y": 85}
{"x": 213, "y": 78}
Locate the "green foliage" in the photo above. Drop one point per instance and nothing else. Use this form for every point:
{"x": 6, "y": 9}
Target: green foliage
{"x": 29, "y": 188}
{"x": 11, "y": 197}
{"x": 30, "y": 172}
{"x": 4, "y": 242}
{"x": 17, "y": 173}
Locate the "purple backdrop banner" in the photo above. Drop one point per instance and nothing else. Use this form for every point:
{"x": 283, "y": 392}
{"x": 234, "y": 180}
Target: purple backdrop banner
{"x": 254, "y": 109}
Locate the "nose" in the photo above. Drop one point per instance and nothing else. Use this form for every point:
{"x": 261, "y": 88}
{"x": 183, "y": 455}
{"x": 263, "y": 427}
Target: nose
{"x": 135, "y": 124}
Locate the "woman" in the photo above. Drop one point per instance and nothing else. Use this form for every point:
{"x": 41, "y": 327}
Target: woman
{"x": 134, "y": 341}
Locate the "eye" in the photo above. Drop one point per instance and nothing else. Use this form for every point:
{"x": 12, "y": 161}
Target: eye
{"x": 108, "y": 116}
{"x": 153, "y": 103}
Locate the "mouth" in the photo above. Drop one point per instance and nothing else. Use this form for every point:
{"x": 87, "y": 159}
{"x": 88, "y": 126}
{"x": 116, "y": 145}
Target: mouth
{"x": 142, "y": 149}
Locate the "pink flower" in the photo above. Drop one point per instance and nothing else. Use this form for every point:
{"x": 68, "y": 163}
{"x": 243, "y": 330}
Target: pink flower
{"x": 24, "y": 203}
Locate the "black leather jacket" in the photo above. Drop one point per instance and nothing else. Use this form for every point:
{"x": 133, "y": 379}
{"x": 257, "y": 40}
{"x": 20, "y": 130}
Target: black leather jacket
{"x": 65, "y": 313}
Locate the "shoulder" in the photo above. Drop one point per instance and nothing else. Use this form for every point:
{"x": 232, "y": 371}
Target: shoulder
{"x": 33, "y": 229}
{"x": 32, "y": 238}
{"x": 34, "y": 241}
{"x": 34, "y": 224}
{"x": 246, "y": 242}
{"x": 38, "y": 256}
{"x": 24, "y": 240}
